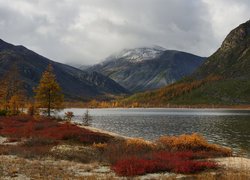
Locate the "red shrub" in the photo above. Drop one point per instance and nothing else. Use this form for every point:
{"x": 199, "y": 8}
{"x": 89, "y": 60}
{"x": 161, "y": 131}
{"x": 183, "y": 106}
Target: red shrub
{"x": 179, "y": 162}
{"x": 27, "y": 127}
{"x": 135, "y": 166}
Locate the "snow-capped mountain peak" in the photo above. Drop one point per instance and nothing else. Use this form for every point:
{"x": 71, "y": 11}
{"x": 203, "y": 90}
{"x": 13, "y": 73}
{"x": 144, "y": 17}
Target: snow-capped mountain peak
{"x": 138, "y": 54}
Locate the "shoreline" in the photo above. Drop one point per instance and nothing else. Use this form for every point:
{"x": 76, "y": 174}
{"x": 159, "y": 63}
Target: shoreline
{"x": 174, "y": 108}
{"x": 115, "y": 135}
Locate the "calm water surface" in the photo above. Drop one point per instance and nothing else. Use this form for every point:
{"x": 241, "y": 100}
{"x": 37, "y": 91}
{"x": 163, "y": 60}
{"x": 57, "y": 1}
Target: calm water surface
{"x": 226, "y": 127}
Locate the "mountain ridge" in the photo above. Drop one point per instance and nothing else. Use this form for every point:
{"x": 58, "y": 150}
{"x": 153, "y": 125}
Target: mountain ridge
{"x": 74, "y": 82}
{"x": 143, "y": 69}
{"x": 137, "y": 54}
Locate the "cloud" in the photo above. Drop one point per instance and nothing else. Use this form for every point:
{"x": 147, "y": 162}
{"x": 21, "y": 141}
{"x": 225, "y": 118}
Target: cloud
{"x": 226, "y": 15}
{"x": 87, "y": 31}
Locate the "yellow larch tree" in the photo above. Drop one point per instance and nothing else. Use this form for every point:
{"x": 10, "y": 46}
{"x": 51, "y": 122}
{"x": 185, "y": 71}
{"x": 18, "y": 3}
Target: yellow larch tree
{"x": 12, "y": 92}
{"x": 48, "y": 93}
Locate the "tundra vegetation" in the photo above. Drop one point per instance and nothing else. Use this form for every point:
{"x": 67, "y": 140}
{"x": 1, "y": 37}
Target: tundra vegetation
{"x": 44, "y": 137}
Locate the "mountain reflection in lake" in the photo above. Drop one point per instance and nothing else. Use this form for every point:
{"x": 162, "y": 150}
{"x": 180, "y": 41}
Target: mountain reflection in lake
{"x": 226, "y": 127}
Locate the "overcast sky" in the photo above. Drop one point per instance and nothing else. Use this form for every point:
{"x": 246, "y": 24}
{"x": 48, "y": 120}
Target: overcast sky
{"x": 87, "y": 31}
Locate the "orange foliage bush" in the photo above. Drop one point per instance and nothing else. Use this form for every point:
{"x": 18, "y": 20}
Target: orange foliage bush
{"x": 137, "y": 144}
{"x": 193, "y": 142}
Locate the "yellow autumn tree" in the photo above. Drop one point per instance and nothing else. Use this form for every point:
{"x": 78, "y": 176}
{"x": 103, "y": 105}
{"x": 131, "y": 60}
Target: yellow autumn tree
{"x": 12, "y": 92}
{"x": 16, "y": 103}
{"x": 48, "y": 93}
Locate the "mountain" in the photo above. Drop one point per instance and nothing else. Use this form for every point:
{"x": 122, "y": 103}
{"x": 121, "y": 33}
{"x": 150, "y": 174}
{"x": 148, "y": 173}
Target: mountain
{"x": 83, "y": 67}
{"x": 75, "y": 83}
{"x": 232, "y": 59}
{"x": 137, "y": 54}
{"x": 147, "y": 68}
{"x": 224, "y": 79}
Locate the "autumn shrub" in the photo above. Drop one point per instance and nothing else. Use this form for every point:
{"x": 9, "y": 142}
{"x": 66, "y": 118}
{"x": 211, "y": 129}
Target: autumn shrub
{"x": 132, "y": 166}
{"x": 178, "y": 154}
{"x": 182, "y": 162}
{"x": 137, "y": 144}
{"x": 179, "y": 162}
{"x": 193, "y": 142}
{"x": 28, "y": 127}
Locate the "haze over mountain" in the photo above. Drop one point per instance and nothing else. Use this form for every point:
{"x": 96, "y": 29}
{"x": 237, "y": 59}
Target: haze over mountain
{"x": 147, "y": 68}
{"x": 223, "y": 79}
{"x": 74, "y": 82}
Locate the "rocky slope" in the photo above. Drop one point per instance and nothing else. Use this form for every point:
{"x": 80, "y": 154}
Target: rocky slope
{"x": 74, "y": 82}
{"x": 147, "y": 68}
{"x": 232, "y": 59}
{"x": 224, "y": 79}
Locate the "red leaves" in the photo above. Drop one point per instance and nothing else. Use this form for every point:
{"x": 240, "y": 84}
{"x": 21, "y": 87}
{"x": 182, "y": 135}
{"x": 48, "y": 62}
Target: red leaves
{"x": 27, "y": 127}
{"x": 179, "y": 162}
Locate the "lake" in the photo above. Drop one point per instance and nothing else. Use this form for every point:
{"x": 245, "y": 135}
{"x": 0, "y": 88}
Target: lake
{"x": 225, "y": 127}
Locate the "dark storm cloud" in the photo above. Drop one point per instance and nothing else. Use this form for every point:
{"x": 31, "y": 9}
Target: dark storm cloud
{"x": 86, "y": 31}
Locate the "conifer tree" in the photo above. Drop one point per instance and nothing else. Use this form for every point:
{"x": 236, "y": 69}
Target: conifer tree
{"x": 48, "y": 93}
